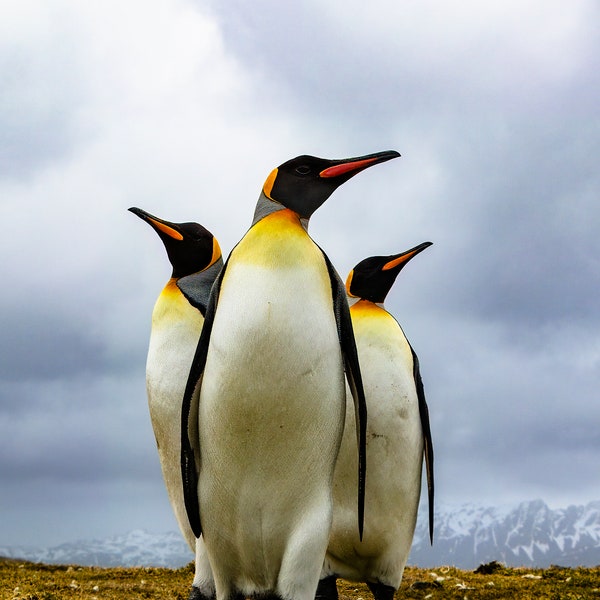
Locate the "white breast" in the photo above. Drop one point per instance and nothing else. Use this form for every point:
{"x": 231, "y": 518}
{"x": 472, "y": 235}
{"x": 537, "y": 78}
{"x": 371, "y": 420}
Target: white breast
{"x": 176, "y": 327}
{"x": 394, "y": 462}
{"x": 271, "y": 418}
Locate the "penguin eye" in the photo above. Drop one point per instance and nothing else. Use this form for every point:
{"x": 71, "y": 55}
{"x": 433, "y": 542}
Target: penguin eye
{"x": 303, "y": 170}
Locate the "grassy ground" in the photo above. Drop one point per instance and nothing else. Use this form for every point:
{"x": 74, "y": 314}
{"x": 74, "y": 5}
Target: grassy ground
{"x": 28, "y": 581}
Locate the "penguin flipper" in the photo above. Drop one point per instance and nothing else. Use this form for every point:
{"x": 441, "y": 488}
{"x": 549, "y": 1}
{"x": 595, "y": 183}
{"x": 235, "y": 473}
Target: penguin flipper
{"x": 190, "y": 447}
{"x": 427, "y": 440}
{"x": 197, "y": 287}
{"x": 189, "y": 288}
{"x": 354, "y": 378}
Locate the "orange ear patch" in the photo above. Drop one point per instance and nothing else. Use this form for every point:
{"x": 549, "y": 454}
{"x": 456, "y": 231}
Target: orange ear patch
{"x": 268, "y": 186}
{"x": 216, "y": 252}
{"x": 349, "y": 283}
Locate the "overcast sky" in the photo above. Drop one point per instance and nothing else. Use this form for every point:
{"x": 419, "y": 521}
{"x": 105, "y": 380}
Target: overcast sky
{"x": 183, "y": 107}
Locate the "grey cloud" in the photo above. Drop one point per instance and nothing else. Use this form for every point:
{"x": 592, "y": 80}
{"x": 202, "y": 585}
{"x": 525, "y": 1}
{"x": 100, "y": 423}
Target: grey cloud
{"x": 77, "y": 332}
{"x": 91, "y": 428}
{"x": 506, "y": 414}
{"x": 394, "y": 62}
{"x": 41, "y": 94}
{"x": 78, "y": 459}
{"x": 533, "y": 240}
{"x": 44, "y": 346}
{"x": 34, "y": 511}
{"x": 513, "y": 220}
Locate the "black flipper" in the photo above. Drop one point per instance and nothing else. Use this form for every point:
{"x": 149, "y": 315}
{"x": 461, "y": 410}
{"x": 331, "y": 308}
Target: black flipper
{"x": 196, "y": 287}
{"x": 427, "y": 441}
{"x": 190, "y": 460}
{"x": 354, "y": 378}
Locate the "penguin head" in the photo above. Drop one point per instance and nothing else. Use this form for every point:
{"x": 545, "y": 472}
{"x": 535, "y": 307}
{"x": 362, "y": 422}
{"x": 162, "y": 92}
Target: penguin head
{"x": 190, "y": 247}
{"x": 372, "y": 278}
{"x": 303, "y": 183}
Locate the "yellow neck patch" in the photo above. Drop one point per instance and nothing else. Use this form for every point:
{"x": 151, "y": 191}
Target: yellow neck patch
{"x": 281, "y": 223}
{"x": 268, "y": 186}
{"x": 171, "y": 288}
{"x": 367, "y": 309}
{"x": 277, "y": 240}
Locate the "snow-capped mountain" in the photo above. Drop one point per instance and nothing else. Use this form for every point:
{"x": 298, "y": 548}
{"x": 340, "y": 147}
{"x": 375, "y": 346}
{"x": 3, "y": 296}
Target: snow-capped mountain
{"x": 134, "y": 549}
{"x": 529, "y": 534}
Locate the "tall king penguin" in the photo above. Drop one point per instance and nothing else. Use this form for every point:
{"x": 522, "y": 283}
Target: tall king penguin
{"x": 177, "y": 321}
{"x": 398, "y": 435}
{"x": 266, "y": 392}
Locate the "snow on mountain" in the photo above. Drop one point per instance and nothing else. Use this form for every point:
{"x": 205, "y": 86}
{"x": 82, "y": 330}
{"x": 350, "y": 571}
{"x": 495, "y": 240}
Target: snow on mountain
{"x": 529, "y": 534}
{"x": 134, "y": 549}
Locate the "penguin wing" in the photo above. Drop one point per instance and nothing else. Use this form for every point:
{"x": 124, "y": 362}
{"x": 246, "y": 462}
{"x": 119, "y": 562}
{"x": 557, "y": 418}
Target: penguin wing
{"x": 196, "y": 287}
{"x": 354, "y": 378}
{"x": 195, "y": 292}
{"x": 190, "y": 449}
{"x": 427, "y": 441}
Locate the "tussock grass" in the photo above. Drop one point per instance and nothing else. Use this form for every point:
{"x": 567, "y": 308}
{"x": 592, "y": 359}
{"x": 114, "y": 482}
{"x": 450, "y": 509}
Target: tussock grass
{"x": 28, "y": 581}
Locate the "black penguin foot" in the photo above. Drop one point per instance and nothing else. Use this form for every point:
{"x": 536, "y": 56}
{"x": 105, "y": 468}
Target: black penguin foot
{"x": 327, "y": 589}
{"x": 263, "y": 596}
{"x": 196, "y": 594}
{"x": 381, "y": 591}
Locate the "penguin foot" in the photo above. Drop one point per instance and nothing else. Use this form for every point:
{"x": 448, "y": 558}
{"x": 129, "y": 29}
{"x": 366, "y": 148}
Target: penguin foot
{"x": 196, "y": 594}
{"x": 327, "y": 589}
{"x": 262, "y": 596}
{"x": 381, "y": 591}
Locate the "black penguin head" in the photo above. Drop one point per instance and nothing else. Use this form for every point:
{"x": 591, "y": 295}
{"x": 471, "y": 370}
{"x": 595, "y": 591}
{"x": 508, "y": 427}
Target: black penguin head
{"x": 372, "y": 278}
{"x": 190, "y": 247}
{"x": 303, "y": 183}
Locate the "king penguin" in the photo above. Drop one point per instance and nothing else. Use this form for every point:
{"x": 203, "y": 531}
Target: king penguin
{"x": 177, "y": 320}
{"x": 267, "y": 391}
{"x": 398, "y": 435}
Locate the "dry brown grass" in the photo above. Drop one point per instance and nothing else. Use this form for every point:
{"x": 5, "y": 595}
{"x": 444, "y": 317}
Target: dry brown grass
{"x": 27, "y": 581}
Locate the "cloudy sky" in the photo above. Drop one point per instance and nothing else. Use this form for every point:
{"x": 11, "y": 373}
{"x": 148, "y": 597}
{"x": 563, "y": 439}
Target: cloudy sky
{"x": 183, "y": 107}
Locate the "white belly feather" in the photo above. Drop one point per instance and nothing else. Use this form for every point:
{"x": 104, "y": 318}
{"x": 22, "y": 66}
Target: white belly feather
{"x": 394, "y": 463}
{"x": 176, "y": 327}
{"x": 271, "y": 417}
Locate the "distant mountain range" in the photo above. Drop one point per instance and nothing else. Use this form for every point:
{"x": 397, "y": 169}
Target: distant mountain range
{"x": 134, "y": 549}
{"x": 530, "y": 534}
